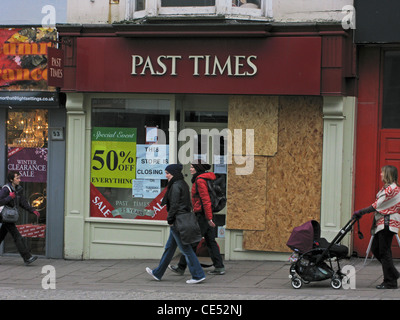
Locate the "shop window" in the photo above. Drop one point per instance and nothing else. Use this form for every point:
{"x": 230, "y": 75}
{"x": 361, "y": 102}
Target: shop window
{"x": 391, "y": 90}
{"x": 187, "y": 3}
{"x": 27, "y": 154}
{"x": 240, "y": 9}
{"x": 206, "y": 116}
{"x": 130, "y": 150}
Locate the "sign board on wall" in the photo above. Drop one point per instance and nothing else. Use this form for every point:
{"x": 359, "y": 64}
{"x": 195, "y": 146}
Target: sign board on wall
{"x": 55, "y": 67}
{"x": 277, "y": 65}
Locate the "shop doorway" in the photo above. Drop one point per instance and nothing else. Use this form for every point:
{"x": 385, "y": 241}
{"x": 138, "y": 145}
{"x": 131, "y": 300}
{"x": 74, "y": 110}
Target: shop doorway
{"x": 27, "y": 152}
{"x": 205, "y": 118}
{"x": 378, "y": 131}
{"x": 389, "y": 146}
{"x": 35, "y": 147}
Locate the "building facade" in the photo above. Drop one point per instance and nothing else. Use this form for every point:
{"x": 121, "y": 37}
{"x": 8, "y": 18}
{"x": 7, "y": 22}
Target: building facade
{"x": 378, "y": 107}
{"x": 268, "y": 101}
{"x": 33, "y": 118}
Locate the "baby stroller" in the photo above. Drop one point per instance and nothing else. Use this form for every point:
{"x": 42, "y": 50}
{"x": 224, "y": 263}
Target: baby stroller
{"x": 312, "y": 257}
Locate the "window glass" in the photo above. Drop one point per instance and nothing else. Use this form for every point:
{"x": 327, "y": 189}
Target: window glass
{"x": 187, "y": 3}
{"x": 251, "y": 4}
{"x": 27, "y": 154}
{"x": 130, "y": 150}
{"x": 206, "y": 116}
{"x": 391, "y": 90}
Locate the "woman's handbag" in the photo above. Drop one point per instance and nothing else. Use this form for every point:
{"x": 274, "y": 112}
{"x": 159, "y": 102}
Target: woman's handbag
{"x": 188, "y": 227}
{"x": 9, "y": 214}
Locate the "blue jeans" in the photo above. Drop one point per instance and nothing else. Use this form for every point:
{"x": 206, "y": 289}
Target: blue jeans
{"x": 193, "y": 263}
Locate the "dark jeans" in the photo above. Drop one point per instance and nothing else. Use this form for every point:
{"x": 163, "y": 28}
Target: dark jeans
{"x": 381, "y": 248}
{"x": 12, "y": 228}
{"x": 209, "y": 236}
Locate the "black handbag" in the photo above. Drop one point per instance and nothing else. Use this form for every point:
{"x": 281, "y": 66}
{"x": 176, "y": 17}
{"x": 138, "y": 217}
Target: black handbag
{"x": 188, "y": 227}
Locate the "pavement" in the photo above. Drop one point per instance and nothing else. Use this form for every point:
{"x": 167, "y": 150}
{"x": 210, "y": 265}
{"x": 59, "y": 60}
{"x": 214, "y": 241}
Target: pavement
{"x": 59, "y": 279}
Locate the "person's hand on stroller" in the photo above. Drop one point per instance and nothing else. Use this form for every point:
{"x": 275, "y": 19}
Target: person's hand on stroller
{"x": 357, "y": 215}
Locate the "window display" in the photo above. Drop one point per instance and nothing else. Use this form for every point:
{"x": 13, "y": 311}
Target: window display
{"x": 130, "y": 150}
{"x": 27, "y": 141}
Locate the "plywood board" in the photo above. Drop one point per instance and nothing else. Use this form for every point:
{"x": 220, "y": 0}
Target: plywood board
{"x": 294, "y": 174}
{"x": 247, "y": 197}
{"x": 258, "y": 113}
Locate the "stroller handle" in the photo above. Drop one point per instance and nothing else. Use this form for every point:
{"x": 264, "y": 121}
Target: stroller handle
{"x": 349, "y": 225}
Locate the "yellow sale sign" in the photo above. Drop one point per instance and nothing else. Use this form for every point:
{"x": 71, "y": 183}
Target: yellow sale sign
{"x": 113, "y": 157}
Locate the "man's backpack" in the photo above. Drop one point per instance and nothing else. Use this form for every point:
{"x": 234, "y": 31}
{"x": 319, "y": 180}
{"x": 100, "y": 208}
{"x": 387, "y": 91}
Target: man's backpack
{"x": 217, "y": 192}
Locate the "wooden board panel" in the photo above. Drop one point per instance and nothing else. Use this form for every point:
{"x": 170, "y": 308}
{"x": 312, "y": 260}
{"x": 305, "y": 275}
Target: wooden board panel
{"x": 247, "y": 197}
{"x": 294, "y": 174}
{"x": 246, "y": 207}
{"x": 259, "y": 113}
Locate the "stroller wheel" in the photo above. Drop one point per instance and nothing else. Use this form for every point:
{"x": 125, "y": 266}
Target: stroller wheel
{"x": 336, "y": 283}
{"x": 296, "y": 283}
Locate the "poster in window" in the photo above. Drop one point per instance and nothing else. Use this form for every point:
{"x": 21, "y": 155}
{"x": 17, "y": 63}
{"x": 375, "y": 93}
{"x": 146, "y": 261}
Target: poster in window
{"x": 31, "y": 163}
{"x": 113, "y": 162}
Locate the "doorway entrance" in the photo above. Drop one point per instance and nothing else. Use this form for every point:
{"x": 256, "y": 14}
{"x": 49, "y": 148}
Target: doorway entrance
{"x": 204, "y": 119}
{"x": 390, "y": 119}
{"x": 27, "y": 150}
{"x": 378, "y": 131}
{"x": 35, "y": 147}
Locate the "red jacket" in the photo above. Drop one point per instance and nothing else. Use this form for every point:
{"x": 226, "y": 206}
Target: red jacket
{"x": 200, "y": 190}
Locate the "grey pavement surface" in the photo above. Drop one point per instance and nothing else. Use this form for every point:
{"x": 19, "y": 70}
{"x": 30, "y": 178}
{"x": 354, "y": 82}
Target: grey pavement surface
{"x": 128, "y": 280}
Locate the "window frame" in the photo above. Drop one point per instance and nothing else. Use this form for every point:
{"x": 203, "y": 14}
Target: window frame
{"x": 222, "y": 7}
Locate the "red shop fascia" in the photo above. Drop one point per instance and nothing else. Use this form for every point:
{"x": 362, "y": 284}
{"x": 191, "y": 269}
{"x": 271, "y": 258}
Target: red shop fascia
{"x": 209, "y": 58}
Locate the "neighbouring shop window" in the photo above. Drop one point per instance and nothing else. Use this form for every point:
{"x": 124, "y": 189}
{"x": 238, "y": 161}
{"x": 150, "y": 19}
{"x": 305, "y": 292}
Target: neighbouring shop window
{"x": 27, "y": 153}
{"x": 130, "y": 150}
{"x": 391, "y": 90}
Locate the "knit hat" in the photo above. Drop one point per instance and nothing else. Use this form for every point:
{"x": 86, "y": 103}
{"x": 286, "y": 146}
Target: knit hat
{"x": 200, "y": 166}
{"x": 174, "y": 169}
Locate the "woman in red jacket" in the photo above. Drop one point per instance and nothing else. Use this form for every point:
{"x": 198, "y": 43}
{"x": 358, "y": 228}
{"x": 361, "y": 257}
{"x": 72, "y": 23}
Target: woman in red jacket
{"x": 202, "y": 208}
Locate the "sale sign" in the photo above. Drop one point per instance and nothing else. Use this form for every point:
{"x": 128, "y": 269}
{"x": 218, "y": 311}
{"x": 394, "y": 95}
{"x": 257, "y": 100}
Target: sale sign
{"x": 113, "y": 157}
{"x": 99, "y": 205}
{"x": 31, "y": 163}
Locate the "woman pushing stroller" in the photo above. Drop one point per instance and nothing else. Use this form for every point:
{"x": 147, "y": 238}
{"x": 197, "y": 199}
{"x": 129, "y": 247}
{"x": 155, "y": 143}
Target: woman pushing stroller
{"x": 385, "y": 225}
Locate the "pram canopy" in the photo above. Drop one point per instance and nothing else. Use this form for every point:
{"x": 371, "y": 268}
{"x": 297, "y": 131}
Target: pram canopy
{"x": 303, "y": 237}
{"x": 308, "y": 236}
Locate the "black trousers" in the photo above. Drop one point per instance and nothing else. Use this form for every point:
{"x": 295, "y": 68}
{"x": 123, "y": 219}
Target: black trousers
{"x": 381, "y": 248}
{"x": 209, "y": 236}
{"x": 12, "y": 229}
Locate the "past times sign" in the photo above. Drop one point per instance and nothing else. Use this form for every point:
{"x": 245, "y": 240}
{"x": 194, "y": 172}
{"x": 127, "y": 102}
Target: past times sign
{"x": 113, "y": 162}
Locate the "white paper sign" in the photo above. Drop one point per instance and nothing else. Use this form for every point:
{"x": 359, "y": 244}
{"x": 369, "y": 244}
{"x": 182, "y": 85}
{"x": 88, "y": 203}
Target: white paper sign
{"x": 146, "y": 188}
{"x": 151, "y": 151}
{"x": 150, "y": 171}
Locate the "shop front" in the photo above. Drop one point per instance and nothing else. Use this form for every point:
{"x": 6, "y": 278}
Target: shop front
{"x": 32, "y": 117}
{"x": 267, "y": 106}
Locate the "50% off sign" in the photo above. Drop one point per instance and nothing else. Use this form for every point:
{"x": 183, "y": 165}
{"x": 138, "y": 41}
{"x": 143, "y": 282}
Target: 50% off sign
{"x": 113, "y": 157}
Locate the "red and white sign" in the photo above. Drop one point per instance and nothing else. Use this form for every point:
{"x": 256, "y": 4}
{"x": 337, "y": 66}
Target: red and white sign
{"x": 32, "y": 230}
{"x": 99, "y": 205}
{"x": 160, "y": 212}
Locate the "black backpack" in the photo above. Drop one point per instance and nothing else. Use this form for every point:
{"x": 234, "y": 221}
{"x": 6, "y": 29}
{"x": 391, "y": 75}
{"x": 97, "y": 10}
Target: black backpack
{"x": 217, "y": 192}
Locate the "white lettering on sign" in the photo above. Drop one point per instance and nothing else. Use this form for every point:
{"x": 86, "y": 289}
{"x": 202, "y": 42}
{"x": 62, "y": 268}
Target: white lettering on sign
{"x": 207, "y": 65}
